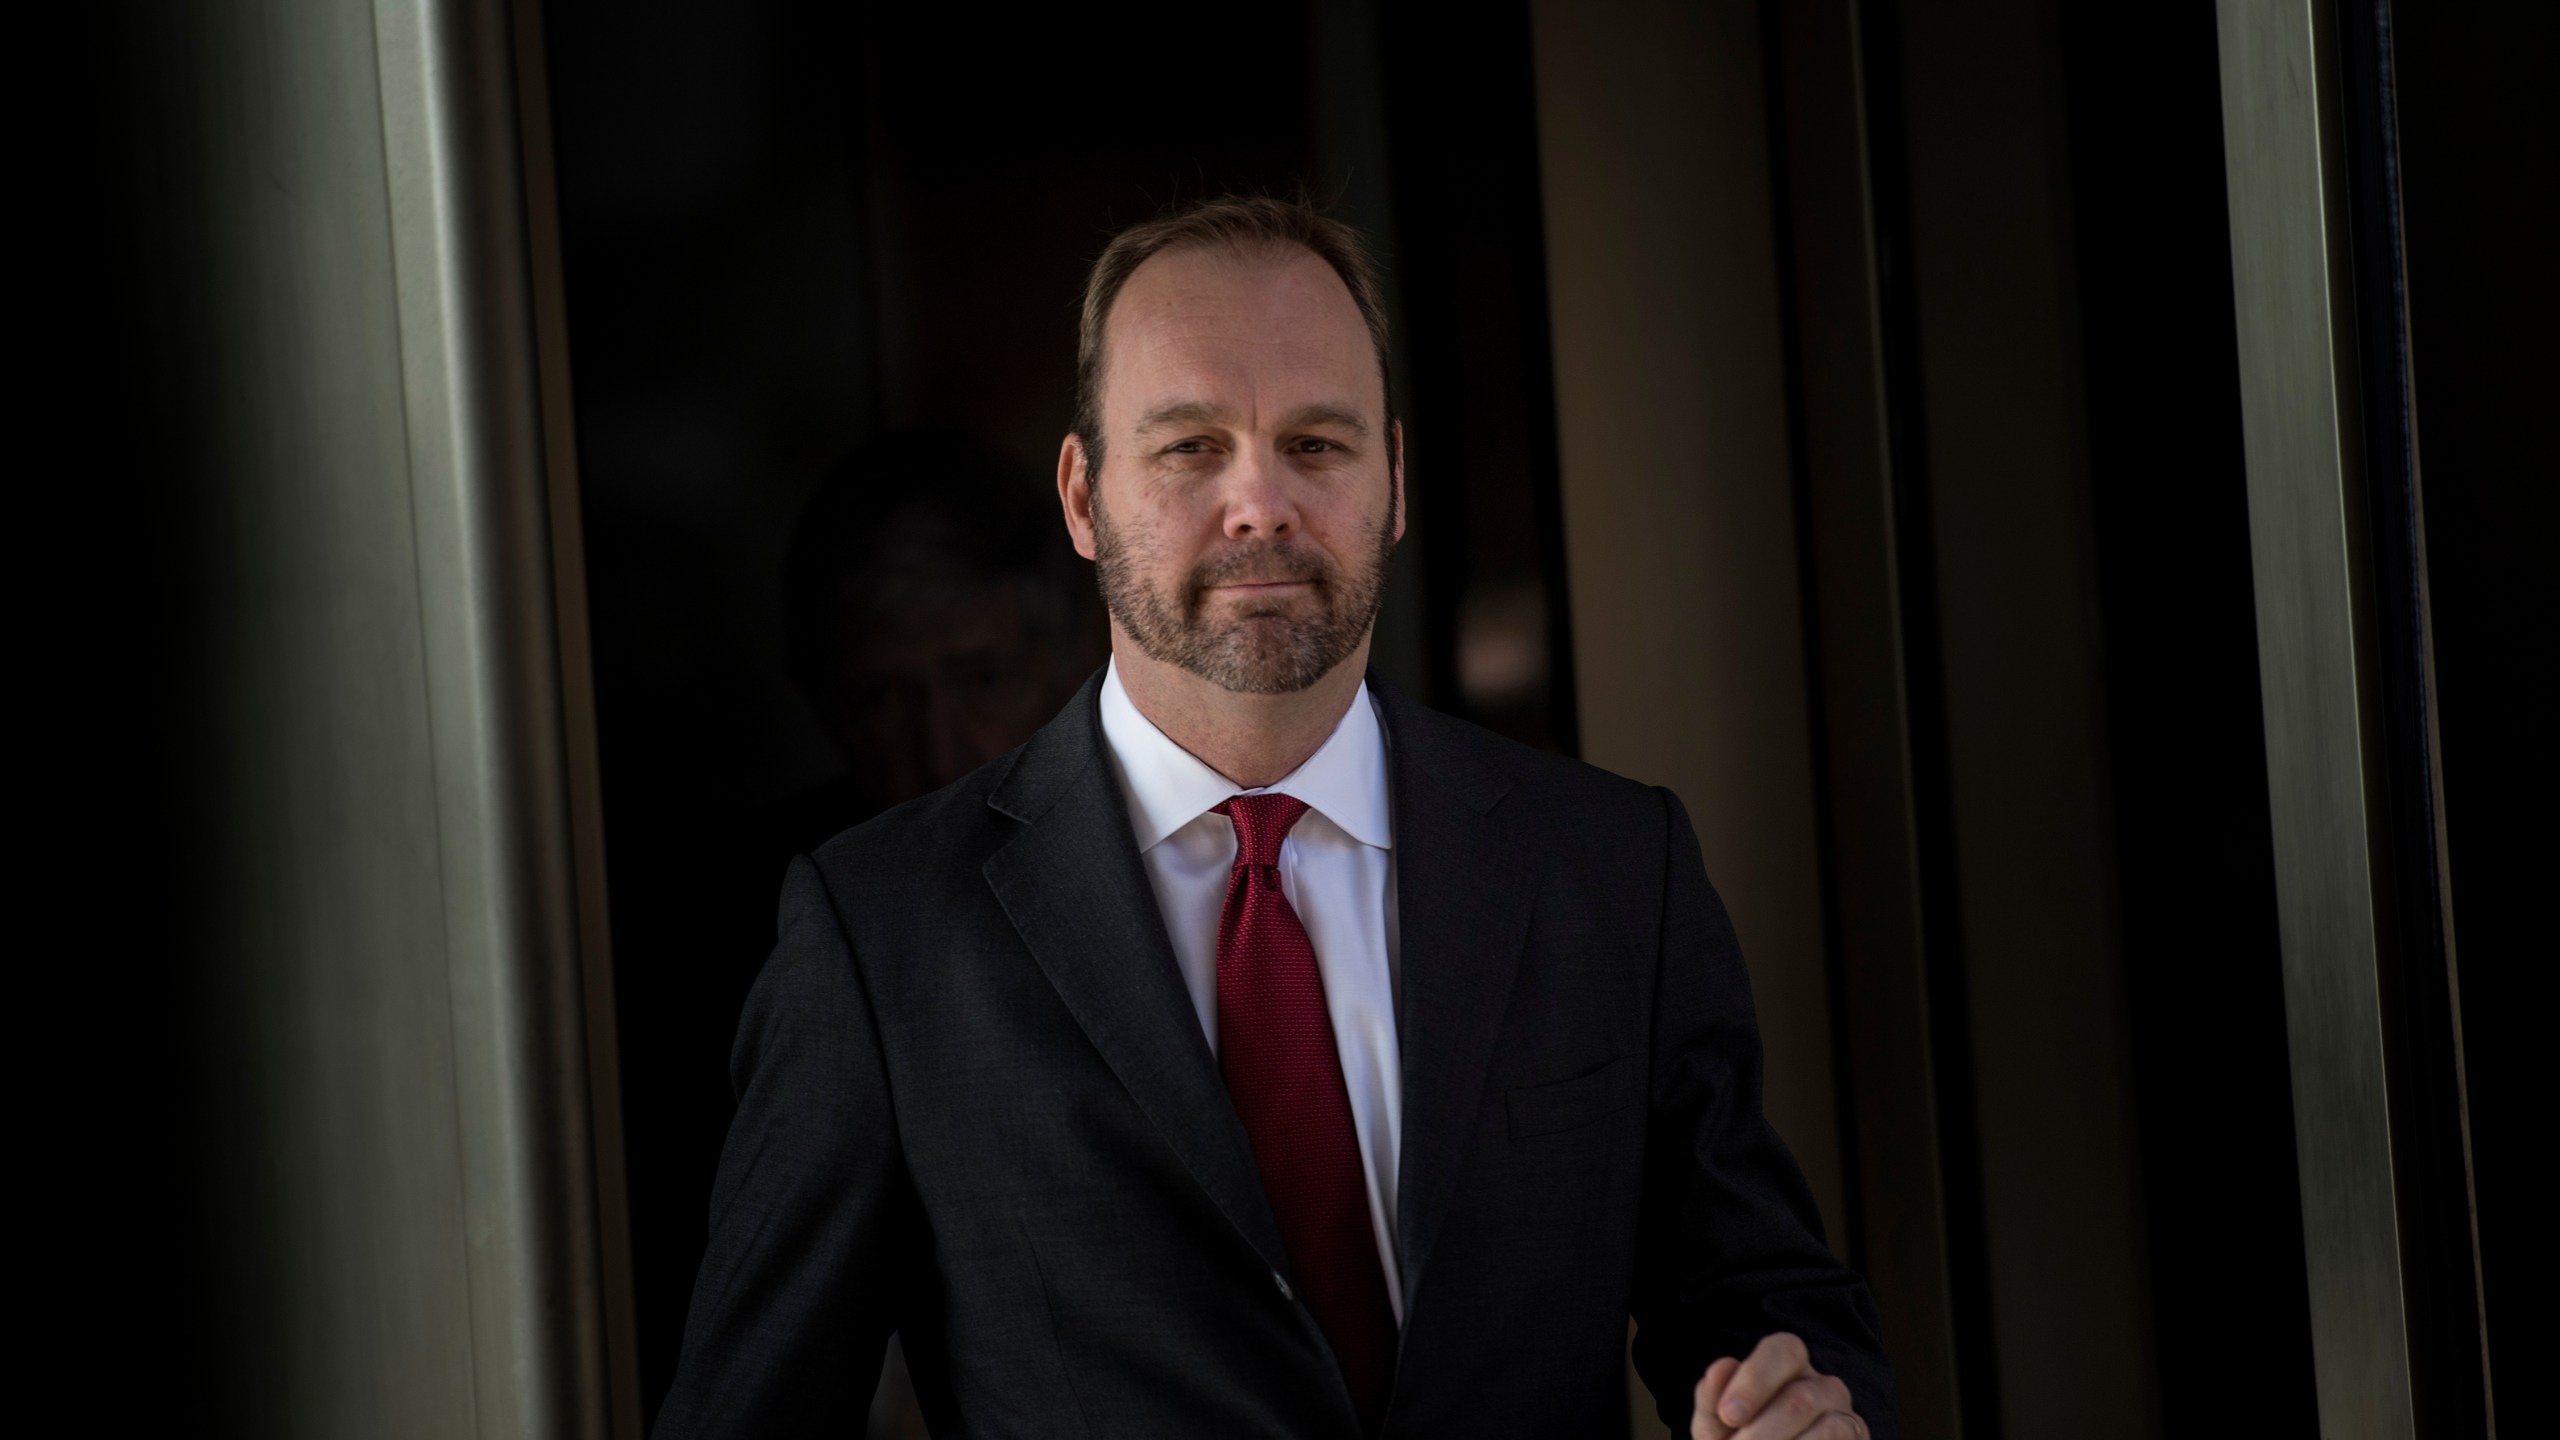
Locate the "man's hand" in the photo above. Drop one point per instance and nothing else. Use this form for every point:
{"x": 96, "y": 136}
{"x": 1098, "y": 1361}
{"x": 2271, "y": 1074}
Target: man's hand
{"x": 1774, "y": 1395}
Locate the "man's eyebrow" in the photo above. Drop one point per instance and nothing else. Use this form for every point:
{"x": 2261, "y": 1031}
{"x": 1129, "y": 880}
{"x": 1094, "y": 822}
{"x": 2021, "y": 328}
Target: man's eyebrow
{"x": 1181, "y": 412}
{"x": 1340, "y": 416}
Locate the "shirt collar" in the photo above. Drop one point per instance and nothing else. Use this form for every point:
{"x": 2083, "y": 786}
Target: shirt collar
{"x": 1168, "y": 787}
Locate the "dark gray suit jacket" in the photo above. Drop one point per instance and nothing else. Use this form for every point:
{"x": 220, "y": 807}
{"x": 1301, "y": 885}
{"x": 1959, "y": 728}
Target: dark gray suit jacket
{"x": 975, "y": 1106}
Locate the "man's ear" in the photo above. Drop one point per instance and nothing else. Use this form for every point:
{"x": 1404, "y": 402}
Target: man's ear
{"x": 1395, "y": 471}
{"x": 1075, "y": 494}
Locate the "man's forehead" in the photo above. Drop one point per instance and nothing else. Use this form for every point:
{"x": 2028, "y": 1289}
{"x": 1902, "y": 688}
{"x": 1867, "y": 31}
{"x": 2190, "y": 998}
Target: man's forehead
{"x": 1286, "y": 300}
{"x": 1270, "y": 272}
{"x": 1219, "y": 317}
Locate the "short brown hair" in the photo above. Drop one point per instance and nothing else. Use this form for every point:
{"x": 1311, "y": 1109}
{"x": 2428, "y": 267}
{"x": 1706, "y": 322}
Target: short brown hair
{"x": 1241, "y": 223}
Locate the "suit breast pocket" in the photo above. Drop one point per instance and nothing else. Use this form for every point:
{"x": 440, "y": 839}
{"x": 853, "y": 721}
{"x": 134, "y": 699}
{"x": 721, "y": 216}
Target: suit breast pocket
{"x": 1570, "y": 1104}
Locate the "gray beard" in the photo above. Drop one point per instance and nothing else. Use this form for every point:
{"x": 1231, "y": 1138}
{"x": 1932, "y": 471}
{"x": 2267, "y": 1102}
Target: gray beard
{"x": 1262, "y": 652}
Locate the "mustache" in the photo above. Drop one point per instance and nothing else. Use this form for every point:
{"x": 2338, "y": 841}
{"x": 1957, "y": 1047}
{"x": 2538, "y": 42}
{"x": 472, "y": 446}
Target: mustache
{"x": 1267, "y": 563}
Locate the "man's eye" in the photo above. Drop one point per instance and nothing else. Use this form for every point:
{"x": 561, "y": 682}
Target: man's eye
{"x": 1318, "y": 447}
{"x": 1188, "y": 447}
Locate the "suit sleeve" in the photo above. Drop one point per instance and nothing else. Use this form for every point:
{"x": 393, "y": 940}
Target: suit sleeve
{"x": 812, "y": 1217}
{"x": 1730, "y": 1246}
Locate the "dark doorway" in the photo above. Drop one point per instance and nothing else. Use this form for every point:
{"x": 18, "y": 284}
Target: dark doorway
{"x": 795, "y": 234}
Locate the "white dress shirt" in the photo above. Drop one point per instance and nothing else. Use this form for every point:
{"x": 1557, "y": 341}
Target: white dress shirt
{"x": 1338, "y": 869}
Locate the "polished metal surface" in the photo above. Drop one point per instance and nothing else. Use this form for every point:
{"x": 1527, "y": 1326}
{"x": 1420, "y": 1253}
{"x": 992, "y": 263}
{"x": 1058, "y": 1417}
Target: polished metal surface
{"x": 583, "y": 763}
{"x": 483, "y": 532}
{"x": 393, "y": 1012}
{"x": 2297, "y": 380}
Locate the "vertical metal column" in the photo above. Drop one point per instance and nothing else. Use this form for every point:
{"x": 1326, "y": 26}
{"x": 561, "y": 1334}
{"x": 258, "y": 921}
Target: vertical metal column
{"x": 463, "y": 253}
{"x": 412, "y": 1221}
{"x": 2298, "y": 382}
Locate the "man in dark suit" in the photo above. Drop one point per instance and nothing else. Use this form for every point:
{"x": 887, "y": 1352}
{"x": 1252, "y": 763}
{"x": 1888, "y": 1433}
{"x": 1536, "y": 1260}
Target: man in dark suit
{"x": 1254, "y": 1052}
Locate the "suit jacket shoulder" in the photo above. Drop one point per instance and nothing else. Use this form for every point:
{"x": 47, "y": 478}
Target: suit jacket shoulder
{"x": 1440, "y": 740}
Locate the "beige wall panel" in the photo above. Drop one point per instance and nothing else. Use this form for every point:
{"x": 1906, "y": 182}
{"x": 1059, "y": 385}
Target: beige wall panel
{"x": 1679, "y": 515}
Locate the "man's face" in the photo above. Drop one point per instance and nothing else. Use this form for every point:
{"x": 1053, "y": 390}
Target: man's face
{"x": 1250, "y": 491}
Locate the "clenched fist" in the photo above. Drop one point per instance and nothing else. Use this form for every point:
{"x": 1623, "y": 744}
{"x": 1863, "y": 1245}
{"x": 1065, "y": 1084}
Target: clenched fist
{"x": 1776, "y": 1394}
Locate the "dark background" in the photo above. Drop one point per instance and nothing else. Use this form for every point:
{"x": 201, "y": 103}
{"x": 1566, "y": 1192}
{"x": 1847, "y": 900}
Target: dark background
{"x": 2478, "y": 182}
{"x": 789, "y": 229}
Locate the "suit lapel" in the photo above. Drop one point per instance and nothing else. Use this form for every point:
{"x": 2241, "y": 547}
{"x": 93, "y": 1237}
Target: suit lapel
{"x": 1074, "y": 886}
{"x": 1463, "y": 899}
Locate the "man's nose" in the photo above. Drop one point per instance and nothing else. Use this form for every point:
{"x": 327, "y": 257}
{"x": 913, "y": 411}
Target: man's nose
{"x": 1262, "y": 502}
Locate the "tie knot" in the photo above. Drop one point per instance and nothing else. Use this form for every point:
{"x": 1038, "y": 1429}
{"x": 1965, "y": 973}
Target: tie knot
{"x": 1262, "y": 822}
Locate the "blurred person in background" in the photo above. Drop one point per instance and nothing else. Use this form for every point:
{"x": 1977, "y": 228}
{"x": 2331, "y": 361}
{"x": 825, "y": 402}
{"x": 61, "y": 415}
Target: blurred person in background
{"x": 936, "y": 619}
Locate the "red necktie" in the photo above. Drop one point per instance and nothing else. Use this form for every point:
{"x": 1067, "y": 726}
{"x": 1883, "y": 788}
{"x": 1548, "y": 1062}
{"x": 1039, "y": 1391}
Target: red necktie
{"x": 1275, "y": 1044}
